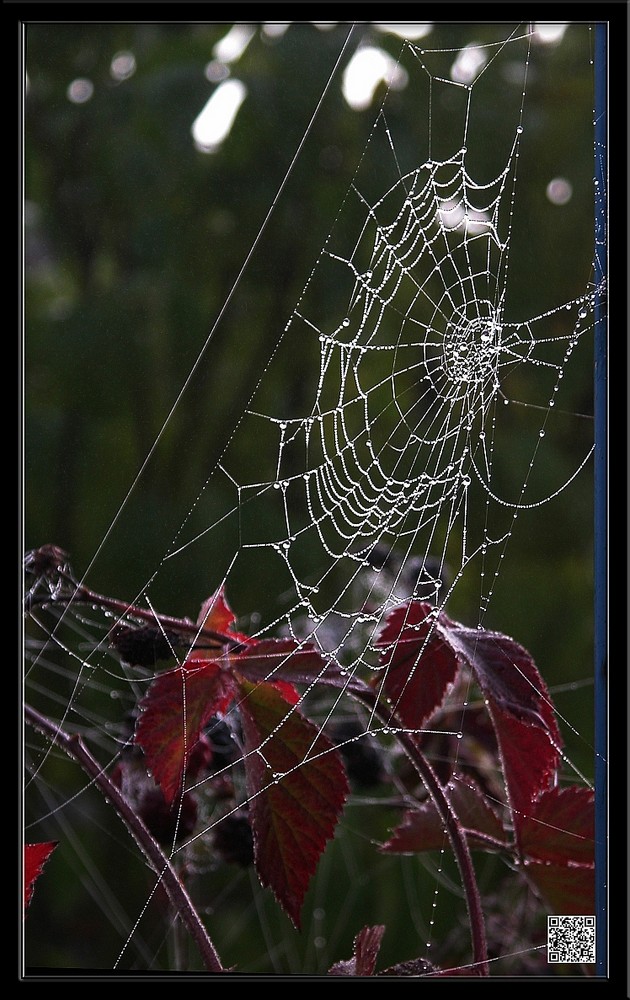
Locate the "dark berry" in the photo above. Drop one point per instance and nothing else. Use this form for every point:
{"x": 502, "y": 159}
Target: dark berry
{"x": 233, "y": 840}
{"x": 141, "y": 645}
{"x": 361, "y": 755}
{"x": 167, "y": 823}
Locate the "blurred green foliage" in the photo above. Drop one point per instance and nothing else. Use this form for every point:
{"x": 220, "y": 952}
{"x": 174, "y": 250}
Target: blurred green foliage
{"x": 144, "y": 340}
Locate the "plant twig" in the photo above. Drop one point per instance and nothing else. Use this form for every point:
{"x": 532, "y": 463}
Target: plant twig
{"x": 160, "y": 864}
{"x": 454, "y": 829}
{"x": 49, "y": 565}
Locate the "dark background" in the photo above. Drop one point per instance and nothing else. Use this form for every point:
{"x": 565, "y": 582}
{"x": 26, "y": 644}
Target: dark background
{"x": 134, "y": 240}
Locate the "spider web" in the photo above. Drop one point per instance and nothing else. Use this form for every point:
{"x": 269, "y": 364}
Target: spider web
{"x": 397, "y": 458}
{"x": 396, "y": 475}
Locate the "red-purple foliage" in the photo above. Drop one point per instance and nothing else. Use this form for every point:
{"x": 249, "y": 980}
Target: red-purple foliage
{"x": 35, "y": 857}
{"x": 294, "y": 773}
{"x": 295, "y": 777}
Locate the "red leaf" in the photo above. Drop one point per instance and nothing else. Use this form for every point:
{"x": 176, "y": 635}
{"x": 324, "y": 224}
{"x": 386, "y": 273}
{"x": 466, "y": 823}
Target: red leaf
{"x": 216, "y": 614}
{"x": 422, "y": 658}
{"x": 216, "y": 617}
{"x": 568, "y": 889}
{"x": 558, "y": 837}
{"x": 177, "y": 706}
{"x": 181, "y": 701}
{"x": 505, "y": 671}
{"x": 286, "y": 659}
{"x": 560, "y": 827}
{"x": 296, "y": 787}
{"x": 367, "y": 944}
{"x": 419, "y": 666}
{"x": 529, "y": 761}
{"x": 422, "y": 829}
{"x": 520, "y": 707}
{"x": 35, "y": 857}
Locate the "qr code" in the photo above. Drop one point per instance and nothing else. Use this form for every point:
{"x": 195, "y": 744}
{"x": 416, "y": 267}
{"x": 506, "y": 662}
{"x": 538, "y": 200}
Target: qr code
{"x": 571, "y": 940}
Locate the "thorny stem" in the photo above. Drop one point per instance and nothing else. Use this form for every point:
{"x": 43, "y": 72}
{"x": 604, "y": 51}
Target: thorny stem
{"x": 166, "y": 621}
{"x": 453, "y": 827}
{"x": 83, "y": 595}
{"x": 178, "y": 896}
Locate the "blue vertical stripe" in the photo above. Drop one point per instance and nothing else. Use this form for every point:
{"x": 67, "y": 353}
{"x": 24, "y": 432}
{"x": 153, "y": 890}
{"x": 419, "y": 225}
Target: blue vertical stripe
{"x": 601, "y": 496}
